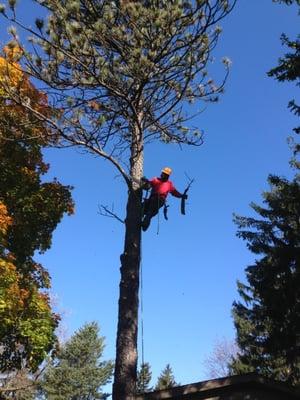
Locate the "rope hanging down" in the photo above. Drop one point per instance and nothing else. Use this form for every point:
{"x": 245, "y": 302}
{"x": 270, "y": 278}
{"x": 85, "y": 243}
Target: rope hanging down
{"x": 142, "y": 306}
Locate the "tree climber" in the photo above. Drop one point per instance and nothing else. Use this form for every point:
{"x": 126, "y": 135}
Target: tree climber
{"x": 160, "y": 188}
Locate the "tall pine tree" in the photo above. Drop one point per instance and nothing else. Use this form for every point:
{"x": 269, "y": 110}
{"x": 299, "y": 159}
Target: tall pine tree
{"x": 267, "y": 319}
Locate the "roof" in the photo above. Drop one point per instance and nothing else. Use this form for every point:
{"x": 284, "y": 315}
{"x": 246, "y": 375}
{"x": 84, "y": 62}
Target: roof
{"x": 222, "y": 387}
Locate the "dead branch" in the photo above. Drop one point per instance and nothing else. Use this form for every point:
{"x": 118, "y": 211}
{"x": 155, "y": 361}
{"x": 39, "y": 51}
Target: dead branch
{"x": 105, "y": 212}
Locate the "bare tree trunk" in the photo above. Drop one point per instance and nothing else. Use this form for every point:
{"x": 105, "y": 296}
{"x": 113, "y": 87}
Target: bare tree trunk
{"x": 124, "y": 386}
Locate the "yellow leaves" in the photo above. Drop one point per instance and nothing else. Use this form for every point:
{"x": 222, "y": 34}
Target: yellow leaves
{"x": 29, "y": 173}
{"x": 13, "y": 78}
{"x": 10, "y": 294}
{"x": 13, "y": 52}
{"x": 11, "y": 75}
{"x": 14, "y": 298}
{"x": 5, "y": 220}
{"x": 19, "y": 99}
{"x": 27, "y": 313}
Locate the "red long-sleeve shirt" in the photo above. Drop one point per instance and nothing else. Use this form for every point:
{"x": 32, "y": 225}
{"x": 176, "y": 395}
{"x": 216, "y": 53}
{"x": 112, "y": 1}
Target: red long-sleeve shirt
{"x": 162, "y": 188}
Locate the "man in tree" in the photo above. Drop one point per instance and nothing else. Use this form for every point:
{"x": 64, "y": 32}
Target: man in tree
{"x": 161, "y": 187}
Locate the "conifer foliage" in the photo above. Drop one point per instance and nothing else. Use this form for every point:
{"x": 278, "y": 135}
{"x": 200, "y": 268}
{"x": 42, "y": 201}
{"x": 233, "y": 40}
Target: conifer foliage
{"x": 77, "y": 371}
{"x": 288, "y": 68}
{"x": 268, "y": 317}
{"x": 166, "y": 379}
{"x": 144, "y": 377}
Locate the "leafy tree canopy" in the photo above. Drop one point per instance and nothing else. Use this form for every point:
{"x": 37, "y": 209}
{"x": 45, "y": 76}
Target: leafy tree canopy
{"x": 29, "y": 212}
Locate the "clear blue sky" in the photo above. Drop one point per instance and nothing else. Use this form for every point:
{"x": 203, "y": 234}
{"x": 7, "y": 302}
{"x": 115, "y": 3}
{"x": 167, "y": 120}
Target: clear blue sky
{"x": 190, "y": 268}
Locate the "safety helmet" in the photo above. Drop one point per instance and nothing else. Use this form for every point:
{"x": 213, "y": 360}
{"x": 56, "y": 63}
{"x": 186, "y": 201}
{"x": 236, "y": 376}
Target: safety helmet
{"x": 167, "y": 171}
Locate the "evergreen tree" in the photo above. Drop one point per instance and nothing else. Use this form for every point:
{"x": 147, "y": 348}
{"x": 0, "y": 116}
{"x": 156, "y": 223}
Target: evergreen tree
{"x": 77, "y": 372}
{"x": 144, "y": 377}
{"x": 121, "y": 74}
{"x": 166, "y": 379}
{"x": 288, "y": 2}
{"x": 268, "y": 318}
{"x": 288, "y": 68}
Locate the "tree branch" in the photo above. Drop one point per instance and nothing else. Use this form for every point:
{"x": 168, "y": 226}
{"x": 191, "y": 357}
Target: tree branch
{"x": 105, "y": 212}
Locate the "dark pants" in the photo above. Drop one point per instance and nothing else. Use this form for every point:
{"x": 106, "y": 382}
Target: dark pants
{"x": 151, "y": 208}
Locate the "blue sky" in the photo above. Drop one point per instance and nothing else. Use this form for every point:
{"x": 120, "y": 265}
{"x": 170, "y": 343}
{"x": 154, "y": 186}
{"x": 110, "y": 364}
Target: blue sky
{"x": 191, "y": 267}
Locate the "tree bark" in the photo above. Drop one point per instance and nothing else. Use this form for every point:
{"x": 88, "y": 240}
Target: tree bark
{"x": 124, "y": 387}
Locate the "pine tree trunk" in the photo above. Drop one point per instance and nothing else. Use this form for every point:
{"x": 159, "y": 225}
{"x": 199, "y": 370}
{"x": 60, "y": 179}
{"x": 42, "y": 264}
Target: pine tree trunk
{"x": 125, "y": 376}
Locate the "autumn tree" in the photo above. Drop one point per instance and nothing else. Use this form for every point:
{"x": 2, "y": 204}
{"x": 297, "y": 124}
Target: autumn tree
{"x": 121, "y": 73}
{"x": 77, "y": 371}
{"x": 29, "y": 212}
{"x": 166, "y": 379}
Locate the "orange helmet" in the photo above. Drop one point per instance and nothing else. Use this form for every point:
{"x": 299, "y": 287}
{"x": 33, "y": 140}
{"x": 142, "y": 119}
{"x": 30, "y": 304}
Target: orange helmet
{"x": 167, "y": 171}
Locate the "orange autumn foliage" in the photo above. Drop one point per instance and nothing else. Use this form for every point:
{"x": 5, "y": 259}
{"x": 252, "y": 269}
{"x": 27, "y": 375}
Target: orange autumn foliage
{"x": 10, "y": 72}
{"x": 30, "y": 209}
{"x": 5, "y": 220}
{"x": 15, "y": 88}
{"x": 25, "y": 312}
